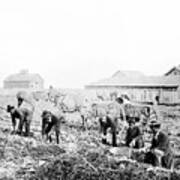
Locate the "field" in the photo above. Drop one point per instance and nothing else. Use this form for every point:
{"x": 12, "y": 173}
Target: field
{"x": 80, "y": 154}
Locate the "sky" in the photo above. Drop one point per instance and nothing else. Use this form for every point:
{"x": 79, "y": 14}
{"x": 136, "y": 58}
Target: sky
{"x": 74, "y": 42}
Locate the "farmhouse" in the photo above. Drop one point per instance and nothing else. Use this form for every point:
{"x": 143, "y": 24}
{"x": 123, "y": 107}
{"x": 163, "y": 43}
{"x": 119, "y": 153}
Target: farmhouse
{"x": 141, "y": 88}
{"x": 24, "y": 80}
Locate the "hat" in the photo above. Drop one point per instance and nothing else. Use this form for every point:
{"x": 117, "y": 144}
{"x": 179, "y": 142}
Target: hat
{"x": 45, "y": 114}
{"x": 20, "y": 95}
{"x": 154, "y": 124}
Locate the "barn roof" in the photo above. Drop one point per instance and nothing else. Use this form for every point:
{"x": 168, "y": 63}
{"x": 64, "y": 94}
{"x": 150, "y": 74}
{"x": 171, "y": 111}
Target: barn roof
{"x": 137, "y": 79}
{"x": 23, "y": 76}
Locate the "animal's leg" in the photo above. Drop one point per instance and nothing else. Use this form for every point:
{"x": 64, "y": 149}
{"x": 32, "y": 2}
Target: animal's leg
{"x": 57, "y": 137}
{"x": 114, "y": 137}
{"x": 14, "y": 125}
{"x": 20, "y": 126}
{"x": 27, "y": 128}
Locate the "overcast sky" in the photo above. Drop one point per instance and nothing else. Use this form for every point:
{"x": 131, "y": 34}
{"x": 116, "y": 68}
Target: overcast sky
{"x": 74, "y": 42}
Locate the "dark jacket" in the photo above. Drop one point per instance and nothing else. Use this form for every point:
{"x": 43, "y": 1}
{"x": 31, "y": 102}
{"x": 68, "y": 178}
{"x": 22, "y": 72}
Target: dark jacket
{"x": 47, "y": 126}
{"x": 132, "y": 133}
{"x": 161, "y": 142}
{"x": 109, "y": 123}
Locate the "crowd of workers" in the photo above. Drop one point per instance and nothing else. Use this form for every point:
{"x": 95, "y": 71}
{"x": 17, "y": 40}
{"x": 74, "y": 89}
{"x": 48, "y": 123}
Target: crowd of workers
{"x": 138, "y": 125}
{"x": 119, "y": 117}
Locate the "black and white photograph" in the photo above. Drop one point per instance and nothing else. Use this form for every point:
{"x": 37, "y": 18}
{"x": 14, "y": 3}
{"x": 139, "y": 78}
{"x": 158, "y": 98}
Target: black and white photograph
{"x": 90, "y": 90}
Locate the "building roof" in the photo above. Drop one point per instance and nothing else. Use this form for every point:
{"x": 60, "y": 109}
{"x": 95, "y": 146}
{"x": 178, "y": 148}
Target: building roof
{"x": 128, "y": 74}
{"x": 173, "y": 69}
{"x": 23, "y": 76}
{"x": 137, "y": 79}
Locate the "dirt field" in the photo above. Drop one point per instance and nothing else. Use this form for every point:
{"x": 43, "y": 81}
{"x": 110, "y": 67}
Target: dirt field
{"x": 80, "y": 154}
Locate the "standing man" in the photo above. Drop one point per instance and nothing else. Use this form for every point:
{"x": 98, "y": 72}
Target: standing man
{"x": 155, "y": 110}
{"x": 24, "y": 103}
{"x": 84, "y": 112}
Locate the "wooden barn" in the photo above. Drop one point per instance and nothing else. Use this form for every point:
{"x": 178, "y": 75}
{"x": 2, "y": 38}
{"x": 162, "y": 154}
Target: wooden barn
{"x": 141, "y": 88}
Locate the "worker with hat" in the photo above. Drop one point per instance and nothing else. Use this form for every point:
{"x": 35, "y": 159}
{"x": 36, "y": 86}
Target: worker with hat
{"x": 160, "y": 153}
{"x": 143, "y": 123}
{"x": 24, "y": 102}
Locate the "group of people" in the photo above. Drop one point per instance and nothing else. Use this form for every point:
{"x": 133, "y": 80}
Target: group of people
{"x": 120, "y": 117}
{"x": 136, "y": 127}
{"x": 23, "y": 113}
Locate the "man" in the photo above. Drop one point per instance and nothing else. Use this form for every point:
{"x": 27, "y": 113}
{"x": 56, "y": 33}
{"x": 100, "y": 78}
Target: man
{"x": 160, "y": 153}
{"x": 85, "y": 113}
{"x": 144, "y": 119}
{"x": 116, "y": 112}
{"x": 50, "y": 121}
{"x": 106, "y": 123}
{"x": 112, "y": 120}
{"x": 24, "y": 116}
{"x": 25, "y": 102}
{"x": 133, "y": 135}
